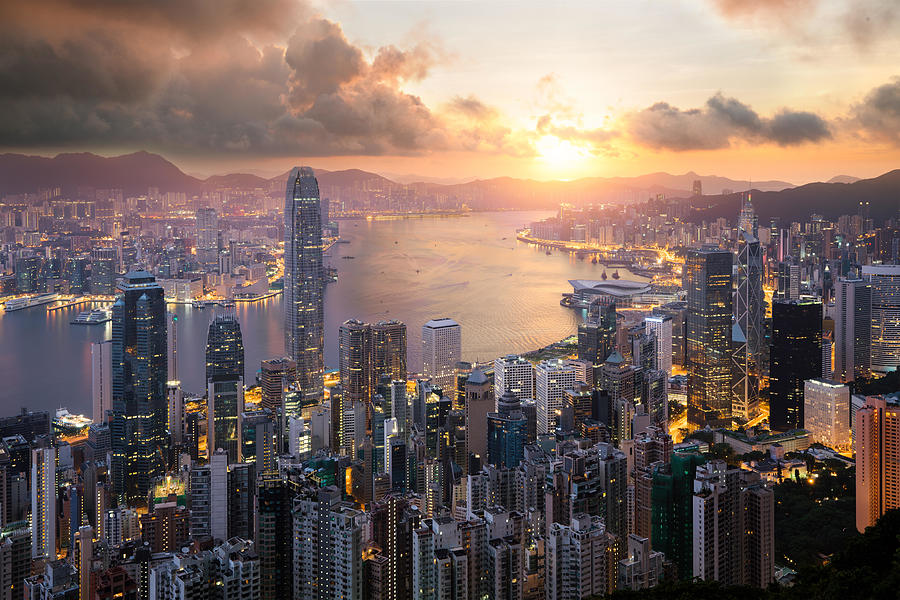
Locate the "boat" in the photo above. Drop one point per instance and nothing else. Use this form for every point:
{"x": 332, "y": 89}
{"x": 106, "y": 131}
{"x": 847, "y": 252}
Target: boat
{"x": 92, "y": 317}
{"x": 603, "y": 276}
{"x": 615, "y": 274}
{"x": 20, "y": 303}
{"x": 548, "y": 253}
{"x": 348, "y": 257}
{"x": 594, "y": 260}
{"x": 227, "y": 304}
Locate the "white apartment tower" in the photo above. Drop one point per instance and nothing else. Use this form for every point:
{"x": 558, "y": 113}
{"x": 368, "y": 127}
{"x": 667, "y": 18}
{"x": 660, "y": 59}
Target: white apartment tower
{"x": 512, "y": 373}
{"x": 553, "y": 378}
{"x": 43, "y": 503}
{"x": 441, "y": 350}
{"x": 101, "y": 379}
{"x": 661, "y": 328}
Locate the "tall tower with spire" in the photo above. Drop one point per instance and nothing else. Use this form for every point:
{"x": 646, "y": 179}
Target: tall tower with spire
{"x": 304, "y": 317}
{"x": 748, "y": 333}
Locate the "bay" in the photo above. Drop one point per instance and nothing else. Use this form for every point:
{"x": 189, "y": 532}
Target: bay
{"x": 504, "y": 293}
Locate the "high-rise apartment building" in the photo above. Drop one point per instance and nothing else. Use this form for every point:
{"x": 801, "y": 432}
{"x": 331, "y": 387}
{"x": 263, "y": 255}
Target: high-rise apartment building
{"x": 877, "y": 446}
{"x": 580, "y": 559}
{"x": 441, "y": 350}
{"x": 885, "y": 335}
{"x": 796, "y": 332}
{"x": 826, "y": 413}
{"x": 43, "y": 503}
{"x": 514, "y": 374}
{"x": 852, "y": 329}
{"x": 304, "y": 321}
{"x": 709, "y": 331}
{"x": 553, "y": 378}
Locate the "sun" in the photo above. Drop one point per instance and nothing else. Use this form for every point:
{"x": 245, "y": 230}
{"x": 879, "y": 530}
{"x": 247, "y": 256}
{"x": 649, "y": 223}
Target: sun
{"x": 558, "y": 152}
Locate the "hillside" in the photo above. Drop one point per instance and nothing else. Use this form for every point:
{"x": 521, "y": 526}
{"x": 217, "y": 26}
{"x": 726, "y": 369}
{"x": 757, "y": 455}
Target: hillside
{"x": 830, "y": 200}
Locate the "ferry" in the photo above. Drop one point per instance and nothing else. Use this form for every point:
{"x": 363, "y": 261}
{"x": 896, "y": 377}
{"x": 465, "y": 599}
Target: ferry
{"x": 92, "y": 317}
{"x": 20, "y": 303}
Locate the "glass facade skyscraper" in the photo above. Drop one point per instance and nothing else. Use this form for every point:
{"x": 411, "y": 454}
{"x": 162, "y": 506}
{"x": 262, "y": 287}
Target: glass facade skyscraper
{"x": 224, "y": 348}
{"x": 139, "y": 376}
{"x": 304, "y": 318}
{"x": 709, "y": 332}
{"x": 885, "y": 335}
{"x": 796, "y": 355}
{"x": 225, "y": 384}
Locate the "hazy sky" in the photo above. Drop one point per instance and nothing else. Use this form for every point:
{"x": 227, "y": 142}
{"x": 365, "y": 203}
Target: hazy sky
{"x": 789, "y": 89}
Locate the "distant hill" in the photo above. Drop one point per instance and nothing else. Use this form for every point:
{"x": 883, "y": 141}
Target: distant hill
{"x": 830, "y": 200}
{"x": 133, "y": 173}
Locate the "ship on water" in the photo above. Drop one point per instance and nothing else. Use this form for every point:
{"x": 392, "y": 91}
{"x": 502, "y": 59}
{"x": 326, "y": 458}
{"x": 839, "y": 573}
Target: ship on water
{"x": 28, "y": 302}
{"x": 92, "y": 317}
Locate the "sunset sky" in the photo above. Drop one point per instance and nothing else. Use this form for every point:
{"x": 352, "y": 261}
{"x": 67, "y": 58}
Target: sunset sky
{"x": 798, "y": 90}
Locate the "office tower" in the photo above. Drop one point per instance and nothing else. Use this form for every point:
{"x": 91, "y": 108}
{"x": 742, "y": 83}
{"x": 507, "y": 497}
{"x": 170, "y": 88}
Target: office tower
{"x": 31, "y": 277}
{"x": 748, "y": 221}
{"x": 642, "y": 568}
{"x": 175, "y": 411}
{"x": 104, "y": 266}
{"x": 709, "y": 317}
{"x": 76, "y": 273}
{"x": 678, "y": 313}
{"x": 258, "y": 440}
{"x": 579, "y": 559}
{"x": 207, "y": 238}
{"x": 225, "y": 385}
{"x": 580, "y": 399}
{"x": 749, "y": 328}
{"x": 796, "y": 332}
{"x": 224, "y": 348}
{"x": 553, "y": 378}
{"x": 661, "y": 329}
{"x": 877, "y": 447}
{"x": 275, "y": 374}
{"x": 852, "y": 329}
{"x": 479, "y": 402}
{"x": 274, "y": 541}
{"x": 655, "y": 397}
{"x": 828, "y": 352}
{"x": 355, "y": 361}
{"x": 389, "y": 350}
{"x": 328, "y": 547}
{"x": 140, "y": 373}
{"x": 514, "y": 374}
{"x": 788, "y": 283}
{"x": 441, "y": 350}
{"x": 672, "y": 503}
{"x": 826, "y": 413}
{"x": 597, "y": 334}
{"x": 15, "y": 559}
{"x": 885, "y": 336}
{"x": 304, "y": 321}
{"x": 101, "y": 379}
{"x": 43, "y": 503}
{"x": 507, "y": 434}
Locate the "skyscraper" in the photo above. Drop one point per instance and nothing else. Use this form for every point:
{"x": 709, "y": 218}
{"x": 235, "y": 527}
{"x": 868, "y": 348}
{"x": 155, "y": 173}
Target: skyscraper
{"x": 877, "y": 447}
{"x": 104, "y": 266}
{"x": 554, "y": 377}
{"x": 224, "y": 347}
{"x": 275, "y": 374}
{"x": 796, "y": 333}
{"x": 826, "y": 413}
{"x": 661, "y": 328}
{"x": 355, "y": 361}
{"x": 852, "y": 329}
{"x": 139, "y": 376}
{"x": 514, "y": 374}
{"x": 597, "y": 334}
{"x": 709, "y": 331}
{"x": 101, "y": 379}
{"x": 389, "y": 350}
{"x": 304, "y": 320}
{"x": 207, "y": 237}
{"x": 225, "y": 385}
{"x": 441, "y": 350}
{"x": 43, "y": 503}
{"x": 749, "y": 316}
{"x": 885, "y": 282}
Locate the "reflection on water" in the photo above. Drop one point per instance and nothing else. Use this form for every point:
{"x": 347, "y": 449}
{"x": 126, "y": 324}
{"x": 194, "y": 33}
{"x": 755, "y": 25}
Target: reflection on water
{"x": 505, "y": 294}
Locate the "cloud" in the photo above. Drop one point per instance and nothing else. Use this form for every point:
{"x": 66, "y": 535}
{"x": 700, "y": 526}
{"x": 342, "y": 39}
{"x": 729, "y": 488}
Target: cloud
{"x": 863, "y": 22}
{"x": 878, "y": 115}
{"x": 719, "y": 122}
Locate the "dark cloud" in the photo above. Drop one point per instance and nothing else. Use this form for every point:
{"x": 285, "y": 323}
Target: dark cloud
{"x": 878, "y": 115}
{"x": 197, "y": 76}
{"x": 719, "y": 122}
